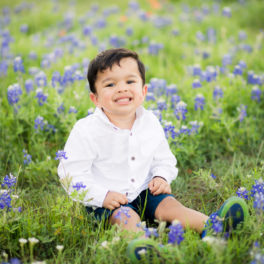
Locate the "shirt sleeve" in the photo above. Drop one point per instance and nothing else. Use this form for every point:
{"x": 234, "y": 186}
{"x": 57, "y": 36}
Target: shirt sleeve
{"x": 164, "y": 162}
{"x": 76, "y": 168}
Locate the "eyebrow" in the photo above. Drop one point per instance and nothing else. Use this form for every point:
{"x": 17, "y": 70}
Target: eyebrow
{"x": 129, "y": 76}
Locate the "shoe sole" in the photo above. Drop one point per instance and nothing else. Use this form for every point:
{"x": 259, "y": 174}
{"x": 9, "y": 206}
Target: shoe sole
{"x": 234, "y": 210}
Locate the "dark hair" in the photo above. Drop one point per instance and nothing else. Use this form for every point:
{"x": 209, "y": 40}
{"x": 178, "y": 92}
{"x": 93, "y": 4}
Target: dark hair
{"x": 106, "y": 59}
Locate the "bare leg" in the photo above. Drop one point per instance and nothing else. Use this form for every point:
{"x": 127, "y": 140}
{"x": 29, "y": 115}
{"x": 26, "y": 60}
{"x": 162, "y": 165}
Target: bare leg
{"x": 127, "y": 223}
{"x": 170, "y": 209}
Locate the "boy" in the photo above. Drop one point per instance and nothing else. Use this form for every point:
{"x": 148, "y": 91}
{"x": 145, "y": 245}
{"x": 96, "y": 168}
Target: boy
{"x": 120, "y": 152}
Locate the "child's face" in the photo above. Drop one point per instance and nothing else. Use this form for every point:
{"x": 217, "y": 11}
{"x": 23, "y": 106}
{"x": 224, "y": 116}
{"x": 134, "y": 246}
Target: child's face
{"x": 119, "y": 91}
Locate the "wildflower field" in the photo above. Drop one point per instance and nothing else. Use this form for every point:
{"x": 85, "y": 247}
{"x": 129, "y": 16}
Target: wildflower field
{"x": 205, "y": 73}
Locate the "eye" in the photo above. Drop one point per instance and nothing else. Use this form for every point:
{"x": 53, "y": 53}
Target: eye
{"x": 130, "y": 81}
{"x": 109, "y": 85}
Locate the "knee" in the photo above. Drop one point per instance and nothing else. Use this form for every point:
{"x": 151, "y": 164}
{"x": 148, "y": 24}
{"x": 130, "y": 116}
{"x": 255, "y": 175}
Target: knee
{"x": 124, "y": 215}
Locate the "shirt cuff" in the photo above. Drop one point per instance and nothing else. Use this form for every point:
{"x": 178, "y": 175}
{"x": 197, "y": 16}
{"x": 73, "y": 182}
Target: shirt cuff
{"x": 169, "y": 176}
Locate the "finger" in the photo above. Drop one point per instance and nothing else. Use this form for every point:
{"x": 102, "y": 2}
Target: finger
{"x": 122, "y": 200}
{"x": 115, "y": 204}
{"x": 151, "y": 184}
{"x": 155, "y": 187}
{"x": 159, "y": 190}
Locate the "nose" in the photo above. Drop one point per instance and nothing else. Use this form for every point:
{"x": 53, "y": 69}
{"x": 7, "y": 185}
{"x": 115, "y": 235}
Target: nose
{"x": 122, "y": 88}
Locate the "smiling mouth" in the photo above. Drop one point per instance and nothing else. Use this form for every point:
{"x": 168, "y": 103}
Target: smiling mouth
{"x": 123, "y": 100}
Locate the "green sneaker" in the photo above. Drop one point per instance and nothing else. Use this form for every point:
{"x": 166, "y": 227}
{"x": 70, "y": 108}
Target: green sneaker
{"x": 141, "y": 248}
{"x": 233, "y": 212}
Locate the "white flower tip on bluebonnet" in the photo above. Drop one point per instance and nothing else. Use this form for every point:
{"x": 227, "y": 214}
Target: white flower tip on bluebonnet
{"x": 15, "y": 196}
{"x": 199, "y": 95}
{"x": 181, "y": 104}
{"x": 33, "y": 240}
{"x": 3, "y": 191}
{"x": 18, "y": 59}
{"x": 59, "y": 247}
{"x": 104, "y": 244}
{"x": 175, "y": 222}
{"x": 4, "y": 254}
{"x": 22, "y": 241}
{"x": 38, "y": 262}
{"x": 214, "y": 241}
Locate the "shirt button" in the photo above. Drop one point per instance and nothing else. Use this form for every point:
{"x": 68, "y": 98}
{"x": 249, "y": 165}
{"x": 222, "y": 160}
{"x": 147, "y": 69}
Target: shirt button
{"x": 133, "y": 158}
{"x": 133, "y": 180}
{"x": 126, "y": 193}
{"x": 131, "y": 134}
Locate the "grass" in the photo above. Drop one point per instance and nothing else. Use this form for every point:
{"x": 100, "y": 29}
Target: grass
{"x": 229, "y": 148}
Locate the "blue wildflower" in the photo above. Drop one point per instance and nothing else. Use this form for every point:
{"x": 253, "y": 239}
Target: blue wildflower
{"x": 258, "y": 203}
{"x": 255, "y": 93}
{"x": 3, "y": 68}
{"x": 13, "y": 93}
{"x": 238, "y": 70}
{"x": 199, "y": 102}
{"x": 215, "y": 223}
{"x": 60, "y": 154}
{"x": 41, "y": 79}
{"x": 168, "y": 129}
{"x": 213, "y": 176}
{"x": 196, "y": 83}
{"x": 243, "y": 193}
{"x": 154, "y": 48}
{"x": 72, "y": 110}
{"x": 175, "y": 99}
{"x": 176, "y": 234}
{"x": 9, "y": 181}
{"x": 18, "y": 65}
{"x": 162, "y": 105}
{"x": 242, "y": 112}
{"x": 5, "y": 201}
{"x": 27, "y": 158}
{"x": 87, "y": 30}
{"x": 218, "y": 93}
{"x": 78, "y": 185}
{"x": 61, "y": 108}
{"x": 171, "y": 89}
{"x": 42, "y": 98}
{"x": 180, "y": 110}
{"x": 29, "y": 85}
{"x": 149, "y": 232}
{"x": 184, "y": 130}
{"x": 24, "y": 28}
{"x": 227, "y": 12}
{"x": 197, "y": 70}
{"x": 194, "y": 126}
{"x": 150, "y": 97}
{"x": 227, "y": 59}
{"x": 258, "y": 187}
{"x": 39, "y": 123}
{"x": 124, "y": 210}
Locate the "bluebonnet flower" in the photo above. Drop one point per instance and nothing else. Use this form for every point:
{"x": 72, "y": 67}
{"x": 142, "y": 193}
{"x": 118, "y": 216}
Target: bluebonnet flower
{"x": 60, "y": 154}
{"x": 124, "y": 210}
{"x": 200, "y": 36}
{"x": 133, "y": 5}
{"x": 68, "y": 75}
{"x": 246, "y": 47}
{"x": 9, "y": 181}
{"x": 194, "y": 126}
{"x": 3, "y": 68}
{"x": 90, "y": 111}
{"x": 39, "y": 123}
{"x": 243, "y": 193}
{"x": 78, "y": 75}
{"x": 149, "y": 232}
{"x": 242, "y": 64}
{"x": 45, "y": 63}
{"x": 253, "y": 78}
{"x": 238, "y": 70}
{"x": 87, "y": 30}
{"x": 42, "y": 98}
{"x": 72, "y": 110}
{"x": 13, "y": 93}
{"x": 154, "y": 48}
{"x": 55, "y": 79}
{"x": 211, "y": 35}
{"x": 213, "y": 176}
{"x": 210, "y": 74}
{"x": 255, "y": 93}
{"x": 242, "y": 35}
{"x": 242, "y": 112}
{"x": 158, "y": 114}
{"x": 184, "y": 130}
{"x": 18, "y": 65}
{"x": 150, "y": 97}
{"x": 171, "y": 89}
{"x": 100, "y": 23}
{"x": 215, "y": 223}
{"x": 175, "y": 32}
{"x": 205, "y": 54}
{"x": 227, "y": 12}
{"x": 175, "y": 99}
{"x": 41, "y": 79}
{"x": 160, "y": 22}
{"x": 197, "y": 70}
{"x": 162, "y": 105}
{"x": 168, "y": 128}
{"x": 78, "y": 185}
{"x": 29, "y": 85}
{"x": 227, "y": 59}
{"x": 258, "y": 187}
{"x": 176, "y": 234}
{"x": 24, "y": 28}
{"x": 143, "y": 15}
{"x": 258, "y": 203}
{"x": 199, "y": 102}
{"x": 32, "y": 55}
{"x": 196, "y": 83}
{"x": 61, "y": 108}
{"x": 180, "y": 110}
{"x": 5, "y": 201}
{"x": 129, "y": 31}
{"x": 27, "y": 158}
{"x": 218, "y": 93}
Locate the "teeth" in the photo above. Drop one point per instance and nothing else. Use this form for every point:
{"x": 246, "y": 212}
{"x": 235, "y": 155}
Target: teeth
{"x": 123, "y": 100}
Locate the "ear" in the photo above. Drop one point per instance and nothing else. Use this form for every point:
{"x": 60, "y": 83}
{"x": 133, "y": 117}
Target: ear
{"x": 94, "y": 98}
{"x": 145, "y": 90}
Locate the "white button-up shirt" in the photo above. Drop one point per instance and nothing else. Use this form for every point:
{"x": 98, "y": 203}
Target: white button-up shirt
{"x": 106, "y": 158}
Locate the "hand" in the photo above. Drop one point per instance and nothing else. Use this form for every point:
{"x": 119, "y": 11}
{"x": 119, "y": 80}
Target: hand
{"x": 114, "y": 200}
{"x": 159, "y": 185}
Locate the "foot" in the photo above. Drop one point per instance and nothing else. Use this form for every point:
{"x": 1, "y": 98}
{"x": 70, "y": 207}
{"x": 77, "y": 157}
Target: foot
{"x": 233, "y": 212}
{"x": 141, "y": 248}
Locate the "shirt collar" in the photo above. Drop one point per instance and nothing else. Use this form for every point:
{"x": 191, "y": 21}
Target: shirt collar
{"x": 100, "y": 113}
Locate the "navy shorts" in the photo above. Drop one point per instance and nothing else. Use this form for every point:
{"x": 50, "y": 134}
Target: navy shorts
{"x": 144, "y": 205}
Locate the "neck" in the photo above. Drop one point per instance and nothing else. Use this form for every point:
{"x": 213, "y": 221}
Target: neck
{"x": 123, "y": 122}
